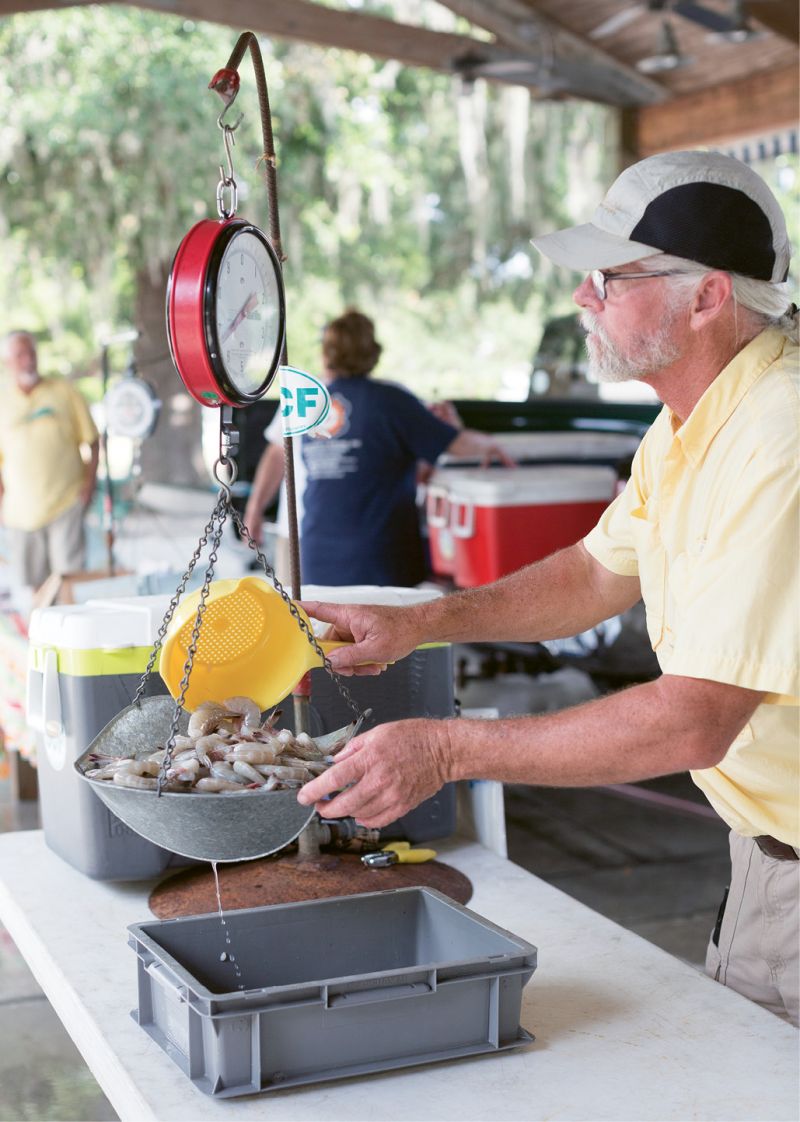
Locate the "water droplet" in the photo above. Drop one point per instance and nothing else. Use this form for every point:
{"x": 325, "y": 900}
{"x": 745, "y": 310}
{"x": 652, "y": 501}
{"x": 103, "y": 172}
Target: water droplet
{"x": 224, "y": 956}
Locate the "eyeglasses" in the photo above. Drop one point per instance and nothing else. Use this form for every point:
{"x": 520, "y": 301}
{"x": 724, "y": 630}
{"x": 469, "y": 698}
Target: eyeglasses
{"x": 600, "y": 279}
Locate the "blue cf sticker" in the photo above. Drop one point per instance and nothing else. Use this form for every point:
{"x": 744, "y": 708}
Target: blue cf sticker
{"x": 305, "y": 402}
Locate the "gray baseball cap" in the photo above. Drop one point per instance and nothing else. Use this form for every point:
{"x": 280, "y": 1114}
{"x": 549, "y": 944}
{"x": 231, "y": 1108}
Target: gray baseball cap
{"x": 702, "y": 206}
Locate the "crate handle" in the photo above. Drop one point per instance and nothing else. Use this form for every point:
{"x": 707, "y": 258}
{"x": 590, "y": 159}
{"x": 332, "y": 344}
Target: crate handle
{"x": 462, "y": 522}
{"x": 165, "y": 977}
{"x": 436, "y": 513}
{"x": 379, "y": 993}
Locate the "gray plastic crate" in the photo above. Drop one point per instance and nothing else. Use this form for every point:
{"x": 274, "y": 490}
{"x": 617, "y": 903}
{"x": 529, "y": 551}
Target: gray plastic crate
{"x": 331, "y": 988}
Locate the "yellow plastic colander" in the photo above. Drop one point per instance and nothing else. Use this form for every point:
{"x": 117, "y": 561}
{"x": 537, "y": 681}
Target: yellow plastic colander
{"x": 249, "y": 644}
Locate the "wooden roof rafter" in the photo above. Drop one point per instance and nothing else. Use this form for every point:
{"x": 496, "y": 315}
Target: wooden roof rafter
{"x": 549, "y": 63}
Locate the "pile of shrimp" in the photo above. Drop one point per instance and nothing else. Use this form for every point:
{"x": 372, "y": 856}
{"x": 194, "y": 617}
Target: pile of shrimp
{"x": 228, "y": 749}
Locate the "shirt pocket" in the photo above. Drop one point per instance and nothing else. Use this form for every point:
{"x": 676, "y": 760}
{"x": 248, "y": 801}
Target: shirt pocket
{"x": 651, "y": 557}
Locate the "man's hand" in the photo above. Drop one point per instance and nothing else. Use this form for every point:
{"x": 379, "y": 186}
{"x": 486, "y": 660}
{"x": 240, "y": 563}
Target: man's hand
{"x": 493, "y": 451}
{"x": 383, "y": 774}
{"x": 487, "y": 448}
{"x": 379, "y": 635}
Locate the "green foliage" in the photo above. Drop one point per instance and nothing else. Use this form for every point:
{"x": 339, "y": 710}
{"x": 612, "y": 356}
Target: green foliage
{"x": 109, "y": 152}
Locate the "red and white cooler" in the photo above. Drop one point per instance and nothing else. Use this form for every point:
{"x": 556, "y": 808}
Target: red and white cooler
{"x": 503, "y": 518}
{"x": 441, "y": 544}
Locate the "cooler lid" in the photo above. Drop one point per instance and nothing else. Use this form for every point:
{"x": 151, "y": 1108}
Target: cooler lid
{"x": 572, "y": 445}
{"x": 531, "y": 484}
{"x": 130, "y": 621}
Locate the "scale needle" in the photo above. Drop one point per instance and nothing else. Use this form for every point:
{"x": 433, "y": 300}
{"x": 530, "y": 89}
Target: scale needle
{"x": 245, "y": 310}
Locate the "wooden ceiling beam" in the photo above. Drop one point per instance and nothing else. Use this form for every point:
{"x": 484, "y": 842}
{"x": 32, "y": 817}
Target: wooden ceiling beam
{"x": 587, "y": 67}
{"x": 763, "y": 102}
{"x": 548, "y": 61}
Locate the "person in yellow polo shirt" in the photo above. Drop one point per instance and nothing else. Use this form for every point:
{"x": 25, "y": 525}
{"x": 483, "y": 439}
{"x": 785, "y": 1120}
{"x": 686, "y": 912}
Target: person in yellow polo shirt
{"x": 687, "y": 258}
{"x": 45, "y": 484}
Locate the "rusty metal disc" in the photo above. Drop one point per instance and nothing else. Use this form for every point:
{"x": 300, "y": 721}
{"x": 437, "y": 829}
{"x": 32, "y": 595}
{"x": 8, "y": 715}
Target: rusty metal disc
{"x": 283, "y": 880}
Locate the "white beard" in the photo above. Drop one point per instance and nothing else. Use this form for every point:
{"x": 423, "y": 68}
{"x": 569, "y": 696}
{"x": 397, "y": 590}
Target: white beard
{"x": 647, "y": 354}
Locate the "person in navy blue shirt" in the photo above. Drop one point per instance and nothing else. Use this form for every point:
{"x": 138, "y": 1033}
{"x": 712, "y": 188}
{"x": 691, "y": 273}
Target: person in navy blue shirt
{"x": 361, "y": 524}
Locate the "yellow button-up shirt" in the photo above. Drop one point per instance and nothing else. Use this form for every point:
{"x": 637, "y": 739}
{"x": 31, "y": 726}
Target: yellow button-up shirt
{"x": 709, "y": 524}
{"x": 40, "y": 460}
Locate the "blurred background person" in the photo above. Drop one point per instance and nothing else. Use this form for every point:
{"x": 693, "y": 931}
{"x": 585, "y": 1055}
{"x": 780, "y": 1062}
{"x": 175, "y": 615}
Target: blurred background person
{"x": 45, "y": 484}
{"x": 361, "y": 523}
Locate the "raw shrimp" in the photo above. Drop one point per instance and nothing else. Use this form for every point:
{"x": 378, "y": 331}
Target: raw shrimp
{"x": 255, "y": 755}
{"x": 211, "y": 747}
{"x": 186, "y": 771}
{"x": 279, "y": 772}
{"x": 208, "y": 717}
{"x": 131, "y": 779}
{"x": 140, "y": 767}
{"x": 247, "y": 771}
{"x": 228, "y": 750}
{"x": 225, "y": 771}
{"x": 245, "y": 708}
{"x": 214, "y": 785}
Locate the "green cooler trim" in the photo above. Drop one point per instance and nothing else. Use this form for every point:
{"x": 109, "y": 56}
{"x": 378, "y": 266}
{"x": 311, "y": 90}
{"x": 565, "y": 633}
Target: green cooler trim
{"x": 93, "y": 663}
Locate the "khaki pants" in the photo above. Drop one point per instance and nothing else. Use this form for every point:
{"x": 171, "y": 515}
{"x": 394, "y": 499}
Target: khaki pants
{"x": 759, "y": 939}
{"x": 58, "y": 547}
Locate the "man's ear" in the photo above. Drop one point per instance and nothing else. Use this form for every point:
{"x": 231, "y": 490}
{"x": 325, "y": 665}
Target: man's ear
{"x": 711, "y": 298}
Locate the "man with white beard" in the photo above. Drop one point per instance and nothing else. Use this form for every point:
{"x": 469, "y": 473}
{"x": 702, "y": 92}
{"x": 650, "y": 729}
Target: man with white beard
{"x": 45, "y": 484}
{"x": 687, "y": 258}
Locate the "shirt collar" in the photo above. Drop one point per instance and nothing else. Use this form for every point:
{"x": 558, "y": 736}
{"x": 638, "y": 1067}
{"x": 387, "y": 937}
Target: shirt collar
{"x": 725, "y": 392}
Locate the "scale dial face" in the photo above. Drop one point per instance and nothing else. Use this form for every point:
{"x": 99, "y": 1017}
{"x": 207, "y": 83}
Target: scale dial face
{"x": 226, "y": 312}
{"x": 245, "y": 311}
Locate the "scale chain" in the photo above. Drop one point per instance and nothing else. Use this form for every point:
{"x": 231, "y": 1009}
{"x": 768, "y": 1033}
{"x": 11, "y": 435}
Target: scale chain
{"x": 223, "y": 507}
{"x": 202, "y": 543}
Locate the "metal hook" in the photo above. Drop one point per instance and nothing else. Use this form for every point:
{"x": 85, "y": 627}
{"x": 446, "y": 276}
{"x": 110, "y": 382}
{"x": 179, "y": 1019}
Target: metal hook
{"x": 220, "y": 121}
{"x": 229, "y": 141}
{"x": 229, "y": 466}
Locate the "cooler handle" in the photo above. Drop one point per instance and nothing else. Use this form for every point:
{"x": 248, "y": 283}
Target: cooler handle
{"x": 436, "y": 513}
{"x": 462, "y": 518}
{"x": 34, "y": 698}
{"x": 53, "y": 731}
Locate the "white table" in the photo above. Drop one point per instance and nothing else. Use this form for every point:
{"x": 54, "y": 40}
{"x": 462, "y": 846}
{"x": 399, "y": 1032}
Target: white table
{"x": 623, "y": 1030}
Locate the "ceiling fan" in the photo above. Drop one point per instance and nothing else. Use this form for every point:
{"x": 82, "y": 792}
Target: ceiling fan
{"x": 668, "y": 56}
{"x": 732, "y": 25}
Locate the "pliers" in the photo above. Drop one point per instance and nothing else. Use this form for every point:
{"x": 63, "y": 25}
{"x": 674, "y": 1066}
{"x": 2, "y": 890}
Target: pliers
{"x": 397, "y": 853}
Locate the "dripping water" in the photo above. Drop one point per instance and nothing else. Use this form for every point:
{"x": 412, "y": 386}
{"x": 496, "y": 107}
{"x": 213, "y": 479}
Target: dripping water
{"x": 227, "y": 955}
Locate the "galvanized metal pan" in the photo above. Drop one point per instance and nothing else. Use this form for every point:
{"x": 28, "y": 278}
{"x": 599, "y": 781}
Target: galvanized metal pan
{"x": 208, "y": 827}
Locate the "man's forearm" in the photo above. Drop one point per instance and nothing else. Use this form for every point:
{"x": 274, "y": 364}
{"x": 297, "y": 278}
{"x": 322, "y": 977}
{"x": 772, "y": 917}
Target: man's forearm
{"x": 658, "y": 728}
{"x": 669, "y": 725}
{"x": 562, "y": 595}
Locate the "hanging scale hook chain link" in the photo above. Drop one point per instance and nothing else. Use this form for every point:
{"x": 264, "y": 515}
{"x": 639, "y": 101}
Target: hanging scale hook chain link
{"x": 227, "y": 181}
